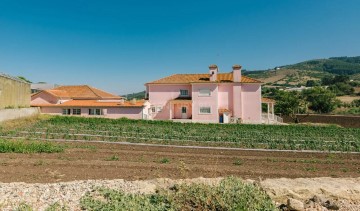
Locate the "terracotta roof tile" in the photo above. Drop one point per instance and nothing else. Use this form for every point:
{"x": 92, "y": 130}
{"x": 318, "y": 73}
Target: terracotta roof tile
{"x": 94, "y": 103}
{"x": 201, "y": 78}
{"x": 85, "y": 92}
{"x": 267, "y": 100}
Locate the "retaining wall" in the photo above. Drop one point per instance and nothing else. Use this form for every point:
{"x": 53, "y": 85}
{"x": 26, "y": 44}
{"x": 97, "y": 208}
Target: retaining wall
{"x": 9, "y": 114}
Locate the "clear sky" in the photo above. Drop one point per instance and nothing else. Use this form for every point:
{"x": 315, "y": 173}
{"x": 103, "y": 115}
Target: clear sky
{"x": 119, "y": 45}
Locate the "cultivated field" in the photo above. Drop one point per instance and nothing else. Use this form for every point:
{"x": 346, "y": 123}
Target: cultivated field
{"x": 280, "y": 137}
{"x": 65, "y": 149}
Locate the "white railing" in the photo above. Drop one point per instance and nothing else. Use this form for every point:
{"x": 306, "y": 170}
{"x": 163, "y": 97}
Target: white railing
{"x": 271, "y": 118}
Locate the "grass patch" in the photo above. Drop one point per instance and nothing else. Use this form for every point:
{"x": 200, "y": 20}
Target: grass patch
{"x": 11, "y": 146}
{"x": 165, "y": 160}
{"x": 112, "y": 158}
{"x": 230, "y": 194}
{"x": 238, "y": 162}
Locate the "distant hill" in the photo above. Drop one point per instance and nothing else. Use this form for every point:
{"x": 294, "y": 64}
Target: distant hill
{"x": 298, "y": 74}
{"x": 336, "y": 65}
{"x": 137, "y": 95}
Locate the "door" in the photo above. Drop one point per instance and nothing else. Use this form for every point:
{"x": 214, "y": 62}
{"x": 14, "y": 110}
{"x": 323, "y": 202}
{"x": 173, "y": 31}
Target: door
{"x": 183, "y": 113}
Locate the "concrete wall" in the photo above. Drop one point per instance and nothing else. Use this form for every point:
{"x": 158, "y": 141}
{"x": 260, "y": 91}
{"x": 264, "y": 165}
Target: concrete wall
{"x": 9, "y": 114}
{"x": 14, "y": 93}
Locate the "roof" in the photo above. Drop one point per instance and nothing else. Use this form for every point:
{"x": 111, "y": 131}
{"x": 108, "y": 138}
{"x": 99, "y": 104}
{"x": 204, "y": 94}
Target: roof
{"x": 80, "y": 92}
{"x": 201, "y": 78}
{"x": 267, "y": 100}
{"x": 224, "y": 110}
{"x": 42, "y": 86}
{"x": 94, "y": 103}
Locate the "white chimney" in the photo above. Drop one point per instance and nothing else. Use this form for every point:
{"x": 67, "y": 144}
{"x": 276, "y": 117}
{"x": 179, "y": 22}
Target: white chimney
{"x": 213, "y": 70}
{"x": 236, "y": 73}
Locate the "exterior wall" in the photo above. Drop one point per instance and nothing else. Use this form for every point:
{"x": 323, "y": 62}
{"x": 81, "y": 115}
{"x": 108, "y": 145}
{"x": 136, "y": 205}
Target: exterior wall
{"x": 177, "y": 108}
{"x": 159, "y": 95}
{"x": 226, "y": 96}
{"x": 9, "y": 114}
{"x": 208, "y": 101}
{"x": 113, "y": 113}
{"x": 251, "y": 103}
{"x": 237, "y": 100}
{"x": 13, "y": 93}
{"x": 43, "y": 98}
{"x": 131, "y": 113}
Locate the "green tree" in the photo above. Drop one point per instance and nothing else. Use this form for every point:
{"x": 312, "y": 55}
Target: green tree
{"x": 288, "y": 103}
{"x": 24, "y": 79}
{"x": 320, "y": 100}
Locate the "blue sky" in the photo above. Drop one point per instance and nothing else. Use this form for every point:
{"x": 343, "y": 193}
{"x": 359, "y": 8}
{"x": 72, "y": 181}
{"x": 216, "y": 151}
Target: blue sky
{"x": 119, "y": 45}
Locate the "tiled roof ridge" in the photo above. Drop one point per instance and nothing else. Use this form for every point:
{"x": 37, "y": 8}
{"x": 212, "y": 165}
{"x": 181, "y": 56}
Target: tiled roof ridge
{"x": 93, "y": 91}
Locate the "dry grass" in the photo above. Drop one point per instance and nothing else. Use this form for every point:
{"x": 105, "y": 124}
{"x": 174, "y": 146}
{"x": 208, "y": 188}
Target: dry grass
{"x": 348, "y": 99}
{"x": 18, "y": 123}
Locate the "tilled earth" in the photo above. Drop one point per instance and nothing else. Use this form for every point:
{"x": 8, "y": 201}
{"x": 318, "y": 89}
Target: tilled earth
{"x": 82, "y": 161}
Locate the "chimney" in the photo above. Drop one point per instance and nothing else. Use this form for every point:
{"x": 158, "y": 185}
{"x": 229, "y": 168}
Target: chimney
{"x": 236, "y": 73}
{"x": 133, "y": 101}
{"x": 213, "y": 70}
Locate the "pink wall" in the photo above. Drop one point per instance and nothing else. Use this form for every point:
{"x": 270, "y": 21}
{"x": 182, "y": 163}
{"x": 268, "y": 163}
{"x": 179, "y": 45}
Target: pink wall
{"x": 159, "y": 95}
{"x": 251, "y": 103}
{"x": 177, "y": 110}
{"x": 113, "y": 113}
{"x": 237, "y": 100}
{"x": 43, "y": 98}
{"x": 225, "y": 96}
{"x": 206, "y": 101}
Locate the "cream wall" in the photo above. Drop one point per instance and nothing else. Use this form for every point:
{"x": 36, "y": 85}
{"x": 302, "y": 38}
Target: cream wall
{"x": 13, "y": 93}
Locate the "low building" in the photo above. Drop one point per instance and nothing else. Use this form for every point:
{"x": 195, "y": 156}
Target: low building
{"x": 14, "y": 92}
{"x": 85, "y": 100}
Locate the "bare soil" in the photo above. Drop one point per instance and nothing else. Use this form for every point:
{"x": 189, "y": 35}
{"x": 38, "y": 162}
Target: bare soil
{"x": 83, "y": 161}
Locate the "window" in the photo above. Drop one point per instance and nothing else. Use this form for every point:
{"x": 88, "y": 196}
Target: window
{"x": 204, "y": 92}
{"x": 205, "y": 110}
{"x": 76, "y": 111}
{"x": 159, "y": 109}
{"x": 95, "y": 111}
{"x": 66, "y": 111}
{"x": 153, "y": 109}
{"x": 184, "y": 92}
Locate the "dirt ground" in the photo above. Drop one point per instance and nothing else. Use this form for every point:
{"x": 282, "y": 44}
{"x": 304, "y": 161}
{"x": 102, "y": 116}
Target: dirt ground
{"x": 82, "y": 161}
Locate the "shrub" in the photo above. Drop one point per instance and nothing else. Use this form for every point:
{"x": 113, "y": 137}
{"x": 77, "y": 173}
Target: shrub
{"x": 230, "y": 194}
{"x": 10, "y": 146}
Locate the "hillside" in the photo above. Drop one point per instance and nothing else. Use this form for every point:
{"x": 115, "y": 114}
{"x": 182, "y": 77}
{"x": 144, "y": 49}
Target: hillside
{"x": 298, "y": 74}
{"x": 138, "y": 95}
{"x": 335, "y": 65}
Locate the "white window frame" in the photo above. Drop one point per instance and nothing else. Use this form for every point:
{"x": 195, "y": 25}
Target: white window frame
{"x": 93, "y": 112}
{"x": 204, "y": 107}
{"x": 76, "y": 113}
{"x": 158, "y": 109}
{"x": 153, "y": 109}
{"x": 66, "y": 111}
{"x": 184, "y": 90}
{"x": 204, "y": 94}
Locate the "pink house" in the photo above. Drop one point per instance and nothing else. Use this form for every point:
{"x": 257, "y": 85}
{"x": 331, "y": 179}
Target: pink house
{"x": 213, "y": 97}
{"x": 85, "y": 100}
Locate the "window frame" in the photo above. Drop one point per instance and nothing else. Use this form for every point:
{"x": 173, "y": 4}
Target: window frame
{"x": 76, "y": 113}
{"x": 95, "y": 112}
{"x": 67, "y": 111}
{"x": 184, "y": 90}
{"x": 204, "y": 95}
{"x": 205, "y": 107}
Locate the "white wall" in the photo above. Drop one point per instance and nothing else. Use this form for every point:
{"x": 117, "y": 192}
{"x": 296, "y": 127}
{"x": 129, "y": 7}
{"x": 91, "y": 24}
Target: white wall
{"x": 9, "y": 114}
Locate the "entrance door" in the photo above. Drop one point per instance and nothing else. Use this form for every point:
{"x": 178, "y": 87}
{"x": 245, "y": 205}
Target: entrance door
{"x": 183, "y": 113}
